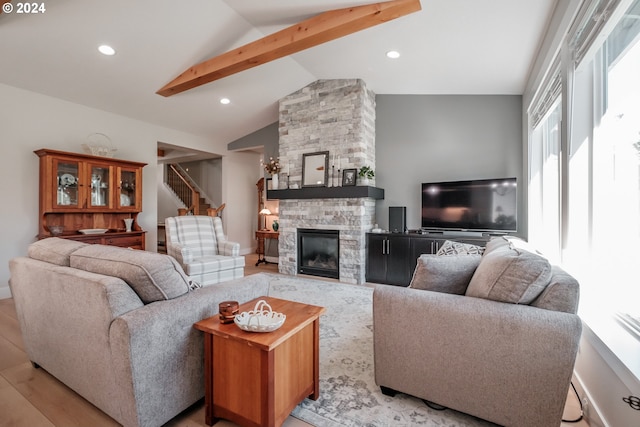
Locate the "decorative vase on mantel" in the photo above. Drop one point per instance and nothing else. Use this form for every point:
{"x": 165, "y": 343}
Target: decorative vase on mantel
{"x": 365, "y": 175}
{"x": 365, "y": 182}
{"x": 275, "y": 225}
{"x": 272, "y": 167}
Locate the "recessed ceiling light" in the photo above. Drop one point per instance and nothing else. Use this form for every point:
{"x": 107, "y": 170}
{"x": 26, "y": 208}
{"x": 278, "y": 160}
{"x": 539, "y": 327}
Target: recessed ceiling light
{"x": 225, "y": 101}
{"x": 393, "y": 54}
{"x": 106, "y": 50}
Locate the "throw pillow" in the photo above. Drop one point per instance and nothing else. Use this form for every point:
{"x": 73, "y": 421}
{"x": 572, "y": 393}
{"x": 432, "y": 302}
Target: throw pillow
{"x": 153, "y": 276}
{"x": 510, "y": 275}
{"x": 54, "y": 250}
{"x": 457, "y": 248}
{"x": 449, "y": 274}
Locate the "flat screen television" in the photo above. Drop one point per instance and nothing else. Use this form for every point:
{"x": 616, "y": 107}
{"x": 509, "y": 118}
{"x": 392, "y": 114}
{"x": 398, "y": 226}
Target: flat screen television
{"x": 477, "y": 205}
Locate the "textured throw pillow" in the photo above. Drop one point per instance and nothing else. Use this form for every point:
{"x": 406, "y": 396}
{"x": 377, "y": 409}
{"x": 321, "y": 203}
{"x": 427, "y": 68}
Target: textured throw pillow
{"x": 54, "y": 250}
{"x": 509, "y": 274}
{"x": 456, "y": 248}
{"x": 153, "y": 276}
{"x": 449, "y": 274}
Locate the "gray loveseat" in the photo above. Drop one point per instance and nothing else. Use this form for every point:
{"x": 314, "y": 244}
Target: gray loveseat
{"x": 492, "y": 335}
{"x": 125, "y": 344}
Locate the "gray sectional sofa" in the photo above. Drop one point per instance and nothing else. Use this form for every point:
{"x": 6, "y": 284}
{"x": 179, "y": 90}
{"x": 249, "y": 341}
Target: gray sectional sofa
{"x": 493, "y": 335}
{"x": 116, "y": 325}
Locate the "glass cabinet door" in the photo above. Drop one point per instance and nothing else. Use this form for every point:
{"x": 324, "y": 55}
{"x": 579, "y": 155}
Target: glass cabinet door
{"x": 128, "y": 182}
{"x": 67, "y": 194}
{"x": 100, "y": 194}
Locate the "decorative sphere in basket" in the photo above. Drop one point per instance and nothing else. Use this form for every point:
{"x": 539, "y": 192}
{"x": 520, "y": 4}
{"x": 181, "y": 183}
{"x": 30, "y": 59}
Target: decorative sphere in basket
{"x": 99, "y": 144}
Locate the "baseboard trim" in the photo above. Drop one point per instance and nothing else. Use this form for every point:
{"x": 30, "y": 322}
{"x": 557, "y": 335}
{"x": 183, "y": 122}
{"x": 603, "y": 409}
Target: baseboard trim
{"x": 247, "y": 251}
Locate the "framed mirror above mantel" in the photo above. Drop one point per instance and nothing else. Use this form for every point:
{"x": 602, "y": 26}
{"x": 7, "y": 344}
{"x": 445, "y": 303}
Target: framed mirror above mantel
{"x": 315, "y": 169}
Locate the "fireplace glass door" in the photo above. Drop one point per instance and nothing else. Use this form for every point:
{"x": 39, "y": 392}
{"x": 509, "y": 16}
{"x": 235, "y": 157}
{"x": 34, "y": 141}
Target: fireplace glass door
{"x": 319, "y": 252}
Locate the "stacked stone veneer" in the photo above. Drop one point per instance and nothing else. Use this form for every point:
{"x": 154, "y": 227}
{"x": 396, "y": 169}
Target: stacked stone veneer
{"x": 337, "y": 116}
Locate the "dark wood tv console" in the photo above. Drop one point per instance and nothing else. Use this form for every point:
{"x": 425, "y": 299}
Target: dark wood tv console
{"x": 392, "y": 257}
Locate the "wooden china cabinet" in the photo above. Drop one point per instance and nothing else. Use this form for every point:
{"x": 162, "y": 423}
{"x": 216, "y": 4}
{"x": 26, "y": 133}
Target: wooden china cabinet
{"x": 90, "y": 196}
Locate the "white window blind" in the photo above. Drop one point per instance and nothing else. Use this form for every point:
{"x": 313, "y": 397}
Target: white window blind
{"x": 588, "y": 26}
{"x": 550, "y": 90}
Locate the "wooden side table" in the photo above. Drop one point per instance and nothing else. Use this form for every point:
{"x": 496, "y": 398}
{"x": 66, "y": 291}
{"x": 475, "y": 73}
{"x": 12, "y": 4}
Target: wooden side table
{"x": 256, "y": 379}
{"x": 261, "y": 235}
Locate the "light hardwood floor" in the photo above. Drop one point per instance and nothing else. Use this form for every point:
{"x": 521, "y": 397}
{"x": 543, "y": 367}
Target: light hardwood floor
{"x": 31, "y": 397}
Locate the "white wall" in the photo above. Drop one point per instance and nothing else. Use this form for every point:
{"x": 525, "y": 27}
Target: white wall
{"x": 168, "y": 203}
{"x": 242, "y": 171}
{"x": 30, "y": 121}
{"x": 210, "y": 180}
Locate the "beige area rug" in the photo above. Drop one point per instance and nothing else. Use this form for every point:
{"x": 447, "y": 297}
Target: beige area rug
{"x": 348, "y": 393}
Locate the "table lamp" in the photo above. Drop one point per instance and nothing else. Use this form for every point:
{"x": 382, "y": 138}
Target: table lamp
{"x": 264, "y": 212}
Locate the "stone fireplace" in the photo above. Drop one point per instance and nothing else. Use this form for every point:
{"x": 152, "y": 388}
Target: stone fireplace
{"x": 337, "y": 116}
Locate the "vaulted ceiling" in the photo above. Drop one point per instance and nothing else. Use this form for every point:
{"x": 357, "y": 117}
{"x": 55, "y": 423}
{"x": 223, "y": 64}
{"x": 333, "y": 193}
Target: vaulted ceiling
{"x": 448, "y": 47}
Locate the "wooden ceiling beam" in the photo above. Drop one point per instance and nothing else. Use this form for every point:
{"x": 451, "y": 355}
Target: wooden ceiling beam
{"x": 311, "y": 32}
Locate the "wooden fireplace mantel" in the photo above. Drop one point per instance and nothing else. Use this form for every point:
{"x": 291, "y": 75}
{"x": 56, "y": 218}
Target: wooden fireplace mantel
{"x": 350, "y": 192}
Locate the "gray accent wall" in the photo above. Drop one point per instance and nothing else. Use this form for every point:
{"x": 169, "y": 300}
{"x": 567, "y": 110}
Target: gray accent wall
{"x": 266, "y": 137}
{"x": 430, "y": 138}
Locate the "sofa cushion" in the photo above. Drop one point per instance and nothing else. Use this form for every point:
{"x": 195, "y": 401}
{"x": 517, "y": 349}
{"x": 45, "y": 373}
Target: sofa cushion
{"x": 457, "y": 248}
{"x": 449, "y": 274}
{"x": 153, "y": 276}
{"x": 54, "y": 250}
{"x": 509, "y": 274}
{"x": 206, "y": 264}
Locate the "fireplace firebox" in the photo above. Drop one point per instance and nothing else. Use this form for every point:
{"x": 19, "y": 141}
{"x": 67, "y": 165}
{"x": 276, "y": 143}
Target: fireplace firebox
{"x": 319, "y": 252}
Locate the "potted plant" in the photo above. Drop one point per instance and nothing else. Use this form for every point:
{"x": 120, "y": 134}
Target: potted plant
{"x": 366, "y": 174}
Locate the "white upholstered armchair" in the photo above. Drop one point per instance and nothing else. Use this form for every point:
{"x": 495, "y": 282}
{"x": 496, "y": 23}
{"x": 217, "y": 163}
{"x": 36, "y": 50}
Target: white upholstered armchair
{"x": 201, "y": 247}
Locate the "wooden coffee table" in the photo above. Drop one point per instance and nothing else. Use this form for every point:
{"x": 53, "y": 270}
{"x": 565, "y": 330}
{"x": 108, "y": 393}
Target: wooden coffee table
{"x": 255, "y": 378}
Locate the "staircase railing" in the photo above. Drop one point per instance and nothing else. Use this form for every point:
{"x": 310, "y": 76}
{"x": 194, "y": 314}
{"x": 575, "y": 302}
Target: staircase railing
{"x": 184, "y": 191}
